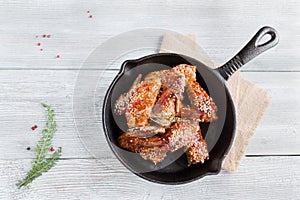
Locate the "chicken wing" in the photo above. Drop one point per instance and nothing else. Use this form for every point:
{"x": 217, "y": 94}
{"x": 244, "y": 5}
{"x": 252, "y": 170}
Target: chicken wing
{"x": 155, "y": 147}
{"x": 169, "y": 101}
{"x": 141, "y": 102}
{"x": 136, "y": 143}
{"x": 202, "y": 102}
{"x": 198, "y": 151}
{"x": 123, "y": 100}
{"x": 198, "y": 97}
{"x": 182, "y": 134}
{"x": 148, "y": 142}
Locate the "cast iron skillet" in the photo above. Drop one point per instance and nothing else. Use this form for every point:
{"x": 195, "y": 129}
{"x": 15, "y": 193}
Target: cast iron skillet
{"x": 218, "y": 135}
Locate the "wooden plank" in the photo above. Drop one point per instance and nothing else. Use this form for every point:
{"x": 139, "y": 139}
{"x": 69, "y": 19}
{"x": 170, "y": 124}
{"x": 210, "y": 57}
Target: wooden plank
{"x": 221, "y": 28}
{"x": 22, "y": 91}
{"x": 258, "y": 178}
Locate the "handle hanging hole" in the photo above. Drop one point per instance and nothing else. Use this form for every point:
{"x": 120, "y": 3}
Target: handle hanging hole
{"x": 266, "y": 38}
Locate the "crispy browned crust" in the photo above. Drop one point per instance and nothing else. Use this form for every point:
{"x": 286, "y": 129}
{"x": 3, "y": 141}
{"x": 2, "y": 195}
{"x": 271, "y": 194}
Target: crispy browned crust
{"x": 136, "y": 144}
{"x": 181, "y": 134}
{"x": 123, "y": 100}
{"x": 155, "y": 154}
{"x": 189, "y": 71}
{"x": 141, "y": 103}
{"x": 149, "y": 143}
{"x": 200, "y": 100}
{"x": 198, "y": 151}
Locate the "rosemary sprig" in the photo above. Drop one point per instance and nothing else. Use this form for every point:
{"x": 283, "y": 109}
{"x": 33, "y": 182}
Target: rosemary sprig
{"x": 42, "y": 164}
{"x": 37, "y": 170}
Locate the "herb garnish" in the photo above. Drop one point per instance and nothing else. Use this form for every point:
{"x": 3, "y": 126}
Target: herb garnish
{"x": 42, "y": 164}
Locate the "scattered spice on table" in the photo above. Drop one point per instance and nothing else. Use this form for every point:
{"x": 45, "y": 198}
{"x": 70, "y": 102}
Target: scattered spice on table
{"x": 33, "y": 127}
{"x": 46, "y": 36}
{"x": 90, "y": 16}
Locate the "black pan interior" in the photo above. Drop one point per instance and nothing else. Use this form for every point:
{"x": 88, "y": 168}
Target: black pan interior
{"x": 218, "y": 135}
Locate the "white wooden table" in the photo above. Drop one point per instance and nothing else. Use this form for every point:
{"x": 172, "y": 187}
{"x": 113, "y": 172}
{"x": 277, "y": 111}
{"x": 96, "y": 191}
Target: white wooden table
{"x": 28, "y": 76}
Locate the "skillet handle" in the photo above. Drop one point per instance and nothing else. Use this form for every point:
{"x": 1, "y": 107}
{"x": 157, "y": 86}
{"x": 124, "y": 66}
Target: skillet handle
{"x": 250, "y": 51}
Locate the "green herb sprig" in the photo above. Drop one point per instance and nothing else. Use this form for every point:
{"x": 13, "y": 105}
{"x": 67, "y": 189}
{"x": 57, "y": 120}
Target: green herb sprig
{"x": 42, "y": 164}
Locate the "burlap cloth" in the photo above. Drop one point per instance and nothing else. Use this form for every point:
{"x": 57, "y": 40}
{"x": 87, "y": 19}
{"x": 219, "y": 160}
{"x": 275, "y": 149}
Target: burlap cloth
{"x": 250, "y": 100}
